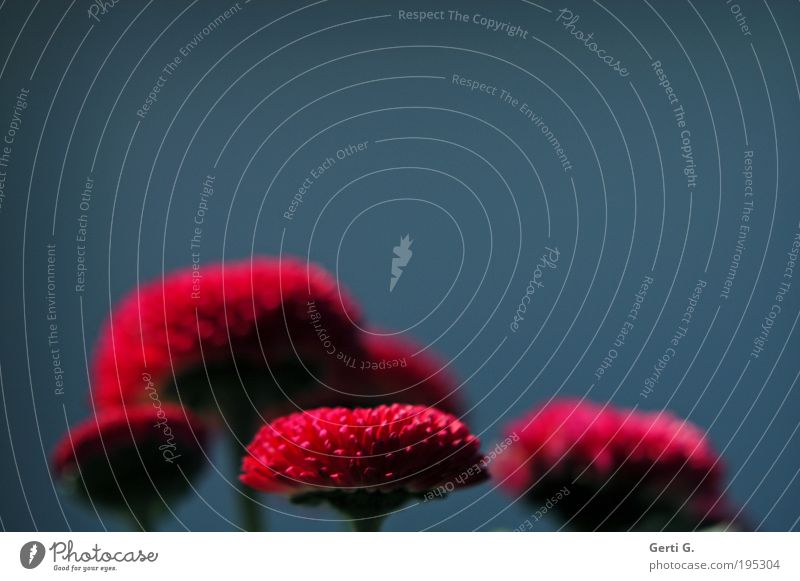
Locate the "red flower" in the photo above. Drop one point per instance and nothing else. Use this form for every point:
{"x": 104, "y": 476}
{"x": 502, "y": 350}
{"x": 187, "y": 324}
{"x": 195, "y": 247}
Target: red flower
{"x": 364, "y": 461}
{"x": 129, "y": 459}
{"x": 395, "y": 370}
{"x": 198, "y": 321}
{"x": 620, "y": 468}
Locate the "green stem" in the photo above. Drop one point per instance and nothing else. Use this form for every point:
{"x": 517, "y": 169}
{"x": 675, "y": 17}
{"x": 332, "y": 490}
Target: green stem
{"x": 367, "y": 525}
{"x": 365, "y": 510}
{"x": 250, "y": 517}
{"x": 249, "y": 511}
{"x": 142, "y": 521}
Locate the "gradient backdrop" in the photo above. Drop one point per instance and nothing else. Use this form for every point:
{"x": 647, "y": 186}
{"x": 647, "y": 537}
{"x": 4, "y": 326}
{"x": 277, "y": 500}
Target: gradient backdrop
{"x": 265, "y": 95}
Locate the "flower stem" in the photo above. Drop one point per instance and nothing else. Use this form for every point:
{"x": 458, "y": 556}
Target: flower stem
{"x": 365, "y": 510}
{"x": 249, "y": 511}
{"x": 250, "y": 517}
{"x": 141, "y": 521}
{"x": 367, "y": 525}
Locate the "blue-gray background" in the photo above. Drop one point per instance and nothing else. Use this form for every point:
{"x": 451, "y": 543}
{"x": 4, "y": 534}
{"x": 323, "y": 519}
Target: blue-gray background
{"x": 280, "y": 86}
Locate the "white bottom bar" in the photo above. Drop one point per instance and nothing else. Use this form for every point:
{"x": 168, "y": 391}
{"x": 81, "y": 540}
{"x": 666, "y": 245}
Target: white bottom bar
{"x": 401, "y": 556}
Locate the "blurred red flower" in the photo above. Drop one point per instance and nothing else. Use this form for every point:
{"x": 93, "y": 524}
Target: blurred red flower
{"x": 621, "y": 468}
{"x": 224, "y": 325}
{"x": 136, "y": 459}
{"x": 395, "y": 369}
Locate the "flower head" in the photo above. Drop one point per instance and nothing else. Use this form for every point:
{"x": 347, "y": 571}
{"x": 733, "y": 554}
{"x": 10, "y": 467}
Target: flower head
{"x": 620, "y": 468}
{"x": 134, "y": 459}
{"x": 228, "y": 324}
{"x": 396, "y": 370}
{"x": 363, "y": 460}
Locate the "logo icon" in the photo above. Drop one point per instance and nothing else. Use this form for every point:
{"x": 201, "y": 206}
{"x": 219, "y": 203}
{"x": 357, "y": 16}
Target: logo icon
{"x": 402, "y": 254}
{"x": 31, "y": 554}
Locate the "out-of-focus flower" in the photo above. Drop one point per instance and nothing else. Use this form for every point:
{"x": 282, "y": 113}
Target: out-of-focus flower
{"x": 622, "y": 469}
{"x": 222, "y": 325}
{"x": 135, "y": 460}
{"x": 364, "y": 461}
{"x": 395, "y": 370}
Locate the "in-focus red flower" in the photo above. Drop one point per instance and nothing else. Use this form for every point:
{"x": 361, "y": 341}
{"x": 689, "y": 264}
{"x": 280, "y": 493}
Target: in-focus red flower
{"x": 616, "y": 469}
{"x": 395, "y": 369}
{"x": 134, "y": 460}
{"x": 364, "y": 461}
{"x": 221, "y": 325}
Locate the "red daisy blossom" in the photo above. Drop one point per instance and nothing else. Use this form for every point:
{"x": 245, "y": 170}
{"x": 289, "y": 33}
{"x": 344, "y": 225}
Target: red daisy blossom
{"x": 134, "y": 460}
{"x": 621, "y": 468}
{"x": 235, "y": 322}
{"x": 395, "y": 369}
{"x": 364, "y": 461}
